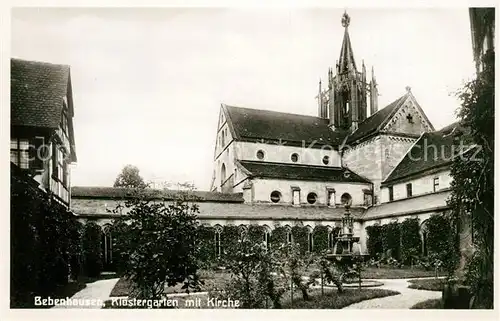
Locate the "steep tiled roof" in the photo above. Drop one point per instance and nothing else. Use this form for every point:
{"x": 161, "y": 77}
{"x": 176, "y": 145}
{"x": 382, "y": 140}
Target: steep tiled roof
{"x": 255, "y": 125}
{"x": 376, "y": 121}
{"x": 37, "y": 91}
{"x": 301, "y": 172}
{"x": 221, "y": 210}
{"x": 409, "y": 206}
{"x": 127, "y": 193}
{"x": 432, "y": 150}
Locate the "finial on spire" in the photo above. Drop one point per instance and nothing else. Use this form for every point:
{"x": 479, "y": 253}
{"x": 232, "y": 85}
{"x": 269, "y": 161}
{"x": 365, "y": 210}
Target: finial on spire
{"x": 408, "y": 89}
{"x": 345, "y": 20}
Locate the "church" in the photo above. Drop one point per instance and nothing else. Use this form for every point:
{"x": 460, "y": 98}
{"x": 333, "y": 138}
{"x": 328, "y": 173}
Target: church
{"x": 278, "y": 169}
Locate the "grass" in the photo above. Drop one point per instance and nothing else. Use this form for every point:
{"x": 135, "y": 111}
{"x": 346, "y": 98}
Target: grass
{"x": 429, "y": 304}
{"x": 397, "y": 273}
{"x": 335, "y": 300}
{"x": 427, "y": 284}
{"x": 212, "y": 280}
{"x": 330, "y": 300}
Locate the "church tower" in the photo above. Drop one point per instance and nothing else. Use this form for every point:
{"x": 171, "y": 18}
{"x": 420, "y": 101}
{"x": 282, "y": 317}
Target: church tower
{"x": 344, "y": 102}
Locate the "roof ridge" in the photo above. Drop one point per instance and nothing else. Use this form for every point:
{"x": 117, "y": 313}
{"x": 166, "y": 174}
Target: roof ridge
{"x": 296, "y": 165}
{"x": 39, "y": 62}
{"x": 274, "y": 111}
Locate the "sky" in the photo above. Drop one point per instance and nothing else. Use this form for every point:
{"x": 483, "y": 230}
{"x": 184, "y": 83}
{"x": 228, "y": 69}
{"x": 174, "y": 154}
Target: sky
{"x": 148, "y": 83}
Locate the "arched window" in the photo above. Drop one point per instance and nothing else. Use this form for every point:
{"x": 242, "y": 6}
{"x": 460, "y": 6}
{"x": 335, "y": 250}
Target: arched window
{"x": 310, "y": 239}
{"x": 107, "y": 246}
{"x": 218, "y": 242}
{"x": 289, "y": 236}
{"x": 222, "y": 174}
{"x": 267, "y": 236}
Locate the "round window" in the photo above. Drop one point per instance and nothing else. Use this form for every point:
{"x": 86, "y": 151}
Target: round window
{"x": 311, "y": 198}
{"x": 295, "y": 157}
{"x": 260, "y": 154}
{"x": 326, "y": 160}
{"x": 275, "y": 196}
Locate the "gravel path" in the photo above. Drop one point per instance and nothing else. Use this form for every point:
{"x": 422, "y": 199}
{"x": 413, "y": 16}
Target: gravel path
{"x": 405, "y": 300}
{"x": 87, "y": 298}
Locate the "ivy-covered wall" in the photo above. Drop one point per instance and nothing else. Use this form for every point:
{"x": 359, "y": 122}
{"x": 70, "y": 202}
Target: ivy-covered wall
{"x": 45, "y": 242}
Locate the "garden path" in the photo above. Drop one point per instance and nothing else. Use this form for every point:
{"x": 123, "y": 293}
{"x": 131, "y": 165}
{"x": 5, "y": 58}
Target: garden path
{"x": 98, "y": 290}
{"x": 405, "y": 300}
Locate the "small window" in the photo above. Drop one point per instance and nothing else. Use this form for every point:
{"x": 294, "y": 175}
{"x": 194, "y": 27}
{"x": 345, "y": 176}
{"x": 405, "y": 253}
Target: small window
{"x": 391, "y": 193}
{"x": 260, "y": 154}
{"x": 331, "y": 198}
{"x": 310, "y": 242}
{"x": 295, "y": 157}
{"x": 326, "y": 160}
{"x": 275, "y": 196}
{"x": 296, "y": 197}
{"x": 311, "y": 198}
{"x": 409, "y": 191}
{"x": 436, "y": 184}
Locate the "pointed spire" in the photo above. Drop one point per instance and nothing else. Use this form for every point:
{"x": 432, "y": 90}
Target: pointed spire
{"x": 346, "y": 54}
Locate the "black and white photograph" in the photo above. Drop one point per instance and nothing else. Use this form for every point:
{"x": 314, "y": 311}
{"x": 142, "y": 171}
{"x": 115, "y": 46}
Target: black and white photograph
{"x": 251, "y": 158}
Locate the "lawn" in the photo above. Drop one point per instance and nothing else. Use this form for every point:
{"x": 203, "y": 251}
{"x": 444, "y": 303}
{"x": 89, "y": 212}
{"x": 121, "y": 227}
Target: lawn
{"x": 397, "y": 273}
{"x": 213, "y": 280}
{"x": 428, "y": 284}
{"x": 330, "y": 300}
{"x": 429, "y": 304}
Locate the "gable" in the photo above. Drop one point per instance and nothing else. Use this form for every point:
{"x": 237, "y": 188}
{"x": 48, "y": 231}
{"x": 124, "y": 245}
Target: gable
{"x": 432, "y": 150}
{"x": 372, "y": 124}
{"x": 408, "y": 118}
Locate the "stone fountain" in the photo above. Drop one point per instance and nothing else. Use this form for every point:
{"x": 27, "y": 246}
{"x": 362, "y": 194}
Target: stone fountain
{"x": 347, "y": 254}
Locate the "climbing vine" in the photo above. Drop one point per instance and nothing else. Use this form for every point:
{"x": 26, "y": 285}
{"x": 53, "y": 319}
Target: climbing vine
{"x": 320, "y": 236}
{"x": 299, "y": 234}
{"x": 411, "y": 243}
{"x": 374, "y": 243}
{"x": 472, "y": 197}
